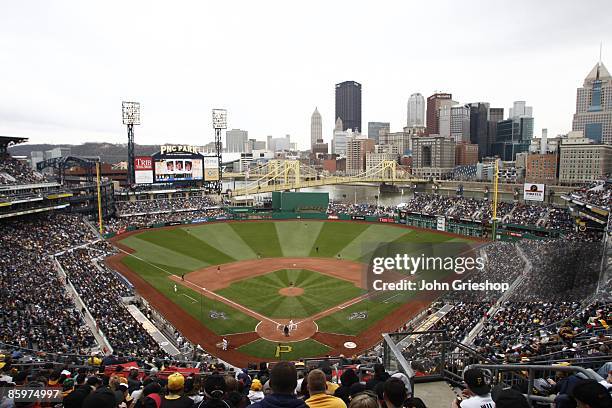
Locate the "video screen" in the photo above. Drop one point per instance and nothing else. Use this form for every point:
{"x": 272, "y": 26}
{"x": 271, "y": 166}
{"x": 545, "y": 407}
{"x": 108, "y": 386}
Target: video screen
{"x": 169, "y": 170}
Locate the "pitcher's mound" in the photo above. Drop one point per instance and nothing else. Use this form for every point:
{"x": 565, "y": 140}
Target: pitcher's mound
{"x": 291, "y": 291}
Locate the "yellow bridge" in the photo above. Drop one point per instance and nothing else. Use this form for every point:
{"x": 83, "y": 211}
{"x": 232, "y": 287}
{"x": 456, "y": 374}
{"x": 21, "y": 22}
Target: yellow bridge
{"x": 280, "y": 175}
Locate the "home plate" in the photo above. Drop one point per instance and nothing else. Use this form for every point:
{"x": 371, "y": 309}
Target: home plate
{"x": 350, "y": 345}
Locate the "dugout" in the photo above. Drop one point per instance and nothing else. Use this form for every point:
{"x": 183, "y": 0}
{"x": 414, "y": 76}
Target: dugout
{"x": 298, "y": 202}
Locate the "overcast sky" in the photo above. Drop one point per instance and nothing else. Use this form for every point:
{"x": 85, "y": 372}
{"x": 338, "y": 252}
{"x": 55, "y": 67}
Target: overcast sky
{"x": 65, "y": 66}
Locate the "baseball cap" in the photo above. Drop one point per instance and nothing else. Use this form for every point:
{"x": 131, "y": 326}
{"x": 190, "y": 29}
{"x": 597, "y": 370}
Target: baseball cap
{"x": 592, "y": 393}
{"x": 476, "y": 381}
{"x": 214, "y": 385}
{"x": 176, "y": 382}
{"x": 508, "y": 398}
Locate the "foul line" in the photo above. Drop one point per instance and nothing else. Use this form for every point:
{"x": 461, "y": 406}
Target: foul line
{"x": 212, "y": 294}
{"x": 186, "y": 295}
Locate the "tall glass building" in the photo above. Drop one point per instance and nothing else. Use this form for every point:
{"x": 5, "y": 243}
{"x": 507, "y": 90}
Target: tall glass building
{"x": 416, "y": 110}
{"x": 348, "y": 105}
{"x": 594, "y": 106}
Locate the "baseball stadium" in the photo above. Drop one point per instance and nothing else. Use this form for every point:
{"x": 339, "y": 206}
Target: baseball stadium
{"x": 170, "y": 276}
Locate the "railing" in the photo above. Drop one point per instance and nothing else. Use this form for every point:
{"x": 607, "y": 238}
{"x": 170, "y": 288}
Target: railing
{"x": 434, "y": 357}
{"x": 513, "y": 374}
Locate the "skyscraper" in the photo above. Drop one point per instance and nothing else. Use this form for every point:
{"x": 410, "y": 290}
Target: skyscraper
{"x": 479, "y": 127}
{"x": 495, "y": 115}
{"x": 416, "y": 110}
{"x": 374, "y": 129}
{"x": 316, "y": 128}
{"x": 514, "y": 134}
{"x": 434, "y": 102}
{"x": 594, "y": 106}
{"x": 236, "y": 141}
{"x": 348, "y": 105}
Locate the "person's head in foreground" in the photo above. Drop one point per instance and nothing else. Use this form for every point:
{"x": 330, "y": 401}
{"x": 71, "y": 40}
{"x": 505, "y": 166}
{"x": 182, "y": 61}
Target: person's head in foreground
{"x": 283, "y": 378}
{"x": 591, "y": 394}
{"x": 509, "y": 398}
{"x": 176, "y": 383}
{"x": 476, "y": 382}
{"x": 317, "y": 382}
{"x": 364, "y": 400}
{"x": 394, "y": 393}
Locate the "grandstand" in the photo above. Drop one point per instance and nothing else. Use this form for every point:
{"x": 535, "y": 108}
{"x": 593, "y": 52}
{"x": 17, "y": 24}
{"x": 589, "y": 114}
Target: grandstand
{"x": 65, "y": 313}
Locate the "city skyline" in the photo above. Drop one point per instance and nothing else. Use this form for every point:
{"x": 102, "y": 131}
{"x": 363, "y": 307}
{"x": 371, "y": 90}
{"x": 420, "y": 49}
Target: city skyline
{"x": 67, "y": 88}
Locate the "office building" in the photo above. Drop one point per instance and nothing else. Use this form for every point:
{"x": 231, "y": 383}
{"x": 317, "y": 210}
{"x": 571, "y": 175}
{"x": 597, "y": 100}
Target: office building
{"x": 348, "y": 105}
{"x": 279, "y": 144}
{"x": 401, "y": 141}
{"x": 582, "y": 161}
{"x": 479, "y": 127}
{"x": 434, "y": 103}
{"x": 236, "y": 141}
{"x": 460, "y": 124}
{"x": 594, "y": 106}
{"x": 320, "y": 148}
{"x": 373, "y": 159}
{"x": 495, "y": 115}
{"x": 316, "y": 128}
{"x": 514, "y": 134}
{"x": 416, "y": 110}
{"x": 374, "y": 129}
{"x": 356, "y": 149}
{"x": 541, "y": 168}
{"x": 433, "y": 156}
{"x": 339, "y": 139}
{"x": 466, "y": 154}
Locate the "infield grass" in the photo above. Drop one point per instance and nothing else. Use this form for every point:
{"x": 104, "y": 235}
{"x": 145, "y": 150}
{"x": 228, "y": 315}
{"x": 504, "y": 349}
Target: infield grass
{"x": 300, "y": 349}
{"x": 260, "y": 293}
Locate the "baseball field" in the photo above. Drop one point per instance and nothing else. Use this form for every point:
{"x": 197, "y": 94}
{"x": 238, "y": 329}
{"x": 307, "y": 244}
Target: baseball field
{"x": 246, "y": 281}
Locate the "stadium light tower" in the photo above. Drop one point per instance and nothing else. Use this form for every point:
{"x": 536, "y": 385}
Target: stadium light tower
{"x": 131, "y": 117}
{"x": 219, "y": 118}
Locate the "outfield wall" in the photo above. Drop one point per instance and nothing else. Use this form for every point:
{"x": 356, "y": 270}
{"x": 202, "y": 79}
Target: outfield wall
{"x": 506, "y": 232}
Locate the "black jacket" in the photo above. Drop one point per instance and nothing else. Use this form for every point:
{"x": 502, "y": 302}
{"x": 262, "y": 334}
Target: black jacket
{"x": 75, "y": 398}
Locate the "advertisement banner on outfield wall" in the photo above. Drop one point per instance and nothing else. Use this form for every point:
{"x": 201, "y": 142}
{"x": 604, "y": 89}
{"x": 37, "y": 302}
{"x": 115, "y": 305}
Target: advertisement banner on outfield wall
{"x": 533, "y": 192}
{"x": 211, "y": 169}
{"x": 441, "y": 224}
{"x": 143, "y": 170}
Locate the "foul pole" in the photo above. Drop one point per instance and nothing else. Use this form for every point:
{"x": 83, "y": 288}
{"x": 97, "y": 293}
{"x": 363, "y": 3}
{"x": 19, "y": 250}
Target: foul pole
{"x": 495, "y": 189}
{"x": 99, "y": 198}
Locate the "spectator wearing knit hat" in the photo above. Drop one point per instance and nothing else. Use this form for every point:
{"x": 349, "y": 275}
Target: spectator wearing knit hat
{"x": 256, "y": 394}
{"x": 175, "y": 398}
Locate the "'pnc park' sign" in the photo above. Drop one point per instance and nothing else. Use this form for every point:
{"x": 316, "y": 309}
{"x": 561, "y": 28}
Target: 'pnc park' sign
{"x": 179, "y": 149}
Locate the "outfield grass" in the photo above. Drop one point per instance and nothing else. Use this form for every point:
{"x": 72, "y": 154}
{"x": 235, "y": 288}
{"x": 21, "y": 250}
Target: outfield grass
{"x": 260, "y": 293}
{"x": 300, "y": 349}
{"x": 191, "y": 301}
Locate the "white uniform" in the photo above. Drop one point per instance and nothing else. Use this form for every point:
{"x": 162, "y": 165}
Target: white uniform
{"x": 175, "y": 288}
{"x": 478, "y": 401}
{"x": 224, "y": 344}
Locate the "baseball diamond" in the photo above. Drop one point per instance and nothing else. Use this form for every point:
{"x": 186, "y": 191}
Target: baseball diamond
{"x": 262, "y": 283}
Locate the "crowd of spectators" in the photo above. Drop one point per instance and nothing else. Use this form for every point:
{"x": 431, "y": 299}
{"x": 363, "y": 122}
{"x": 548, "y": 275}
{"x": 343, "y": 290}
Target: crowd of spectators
{"x": 363, "y": 209}
{"x": 145, "y": 220}
{"x": 542, "y": 317}
{"x": 14, "y": 171}
{"x": 597, "y": 193}
{"x": 36, "y": 311}
{"x": 164, "y": 205}
{"x": 101, "y": 290}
